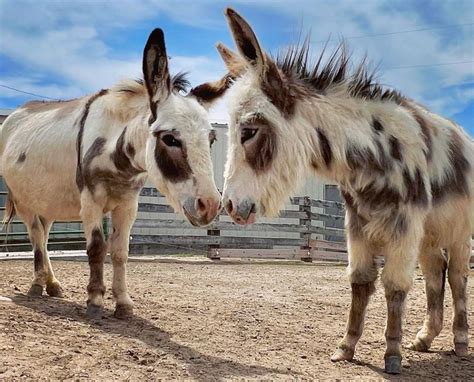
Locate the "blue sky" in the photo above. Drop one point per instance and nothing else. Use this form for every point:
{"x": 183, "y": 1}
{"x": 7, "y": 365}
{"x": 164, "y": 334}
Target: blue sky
{"x": 63, "y": 49}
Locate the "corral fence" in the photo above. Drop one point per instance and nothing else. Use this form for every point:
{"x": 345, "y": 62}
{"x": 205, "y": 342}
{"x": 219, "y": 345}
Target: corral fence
{"x": 303, "y": 231}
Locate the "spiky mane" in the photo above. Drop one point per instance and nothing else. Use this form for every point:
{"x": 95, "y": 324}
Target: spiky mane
{"x": 179, "y": 83}
{"x": 361, "y": 82}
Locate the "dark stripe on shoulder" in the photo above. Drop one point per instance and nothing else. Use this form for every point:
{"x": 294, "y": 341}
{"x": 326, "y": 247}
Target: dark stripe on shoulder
{"x": 121, "y": 158}
{"x": 415, "y": 188}
{"x": 82, "y": 122}
{"x": 325, "y": 147}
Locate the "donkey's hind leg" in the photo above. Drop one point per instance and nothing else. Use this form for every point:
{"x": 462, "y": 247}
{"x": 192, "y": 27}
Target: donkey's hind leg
{"x": 123, "y": 217}
{"x": 434, "y": 265}
{"x": 458, "y": 273}
{"x": 36, "y": 233}
{"x": 53, "y": 287}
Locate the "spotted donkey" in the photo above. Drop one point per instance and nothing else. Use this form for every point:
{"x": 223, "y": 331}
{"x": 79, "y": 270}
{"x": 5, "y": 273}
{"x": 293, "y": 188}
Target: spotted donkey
{"x": 82, "y": 158}
{"x": 405, "y": 173}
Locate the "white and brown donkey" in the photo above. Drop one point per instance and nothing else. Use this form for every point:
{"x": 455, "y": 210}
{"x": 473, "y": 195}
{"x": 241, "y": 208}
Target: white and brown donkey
{"x": 82, "y": 158}
{"x": 406, "y": 174}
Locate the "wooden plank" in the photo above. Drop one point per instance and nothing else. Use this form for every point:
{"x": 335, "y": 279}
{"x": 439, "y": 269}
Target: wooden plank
{"x": 328, "y": 245}
{"x": 185, "y": 240}
{"x": 152, "y": 207}
{"x": 326, "y": 218}
{"x": 328, "y": 231}
{"x": 288, "y": 254}
{"x": 328, "y": 256}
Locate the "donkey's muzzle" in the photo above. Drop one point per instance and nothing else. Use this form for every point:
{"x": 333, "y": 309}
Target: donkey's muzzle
{"x": 201, "y": 211}
{"x": 243, "y": 212}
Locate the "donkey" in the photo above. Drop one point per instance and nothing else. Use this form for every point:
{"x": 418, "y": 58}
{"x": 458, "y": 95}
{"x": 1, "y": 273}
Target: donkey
{"x": 82, "y": 158}
{"x": 406, "y": 176}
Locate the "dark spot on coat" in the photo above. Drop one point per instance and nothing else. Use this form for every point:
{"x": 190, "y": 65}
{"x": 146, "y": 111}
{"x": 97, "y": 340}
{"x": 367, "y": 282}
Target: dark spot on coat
{"x": 82, "y": 122}
{"x": 374, "y": 196}
{"x": 121, "y": 159}
{"x": 260, "y": 151}
{"x": 38, "y": 260}
{"x": 172, "y": 161}
{"x": 455, "y": 180}
{"x": 325, "y": 148}
{"x": 395, "y": 148}
{"x": 22, "y": 158}
{"x": 377, "y": 126}
{"x": 363, "y": 158}
{"x": 415, "y": 188}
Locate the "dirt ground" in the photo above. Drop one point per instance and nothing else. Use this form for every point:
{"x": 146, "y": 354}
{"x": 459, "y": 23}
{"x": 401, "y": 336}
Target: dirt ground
{"x": 201, "y": 321}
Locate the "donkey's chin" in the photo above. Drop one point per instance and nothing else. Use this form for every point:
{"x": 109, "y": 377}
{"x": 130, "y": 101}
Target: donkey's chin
{"x": 197, "y": 221}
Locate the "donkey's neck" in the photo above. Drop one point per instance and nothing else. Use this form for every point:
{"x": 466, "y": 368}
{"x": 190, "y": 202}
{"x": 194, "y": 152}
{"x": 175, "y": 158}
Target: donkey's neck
{"x": 344, "y": 138}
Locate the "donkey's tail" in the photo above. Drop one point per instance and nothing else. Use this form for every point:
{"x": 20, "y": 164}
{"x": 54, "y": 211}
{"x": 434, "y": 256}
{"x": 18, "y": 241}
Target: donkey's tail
{"x": 10, "y": 211}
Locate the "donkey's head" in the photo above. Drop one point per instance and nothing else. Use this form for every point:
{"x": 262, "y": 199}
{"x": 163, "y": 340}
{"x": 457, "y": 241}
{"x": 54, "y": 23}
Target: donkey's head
{"x": 178, "y": 156}
{"x": 266, "y": 160}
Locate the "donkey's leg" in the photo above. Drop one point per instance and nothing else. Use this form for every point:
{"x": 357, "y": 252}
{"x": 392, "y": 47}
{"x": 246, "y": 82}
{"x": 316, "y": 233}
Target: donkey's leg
{"x": 458, "y": 273}
{"x": 122, "y": 220}
{"x": 53, "y": 287}
{"x": 36, "y": 234}
{"x": 92, "y": 215}
{"x": 397, "y": 278}
{"x": 434, "y": 265}
{"x": 362, "y": 275}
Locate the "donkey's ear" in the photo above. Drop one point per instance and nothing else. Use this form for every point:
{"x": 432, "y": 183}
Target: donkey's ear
{"x": 235, "y": 64}
{"x": 246, "y": 40}
{"x": 155, "y": 68}
{"x": 210, "y": 92}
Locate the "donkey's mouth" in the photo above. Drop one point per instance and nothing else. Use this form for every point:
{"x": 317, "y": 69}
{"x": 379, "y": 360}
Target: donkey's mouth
{"x": 196, "y": 222}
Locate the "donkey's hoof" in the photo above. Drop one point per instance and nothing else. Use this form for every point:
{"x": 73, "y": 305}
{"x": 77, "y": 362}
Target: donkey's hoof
{"x": 55, "y": 290}
{"x": 35, "y": 290}
{"x": 342, "y": 354}
{"x": 123, "y": 312}
{"x": 418, "y": 345}
{"x": 393, "y": 364}
{"x": 94, "y": 312}
{"x": 461, "y": 349}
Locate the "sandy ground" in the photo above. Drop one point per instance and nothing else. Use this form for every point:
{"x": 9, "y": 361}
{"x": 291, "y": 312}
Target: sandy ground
{"x": 201, "y": 321}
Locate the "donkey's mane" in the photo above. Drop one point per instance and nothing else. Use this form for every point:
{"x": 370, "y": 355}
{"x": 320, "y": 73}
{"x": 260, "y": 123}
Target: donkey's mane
{"x": 337, "y": 70}
{"x": 179, "y": 84}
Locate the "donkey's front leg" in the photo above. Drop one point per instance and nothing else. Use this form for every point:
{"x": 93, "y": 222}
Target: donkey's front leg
{"x": 122, "y": 220}
{"x": 92, "y": 215}
{"x": 362, "y": 275}
{"x": 397, "y": 278}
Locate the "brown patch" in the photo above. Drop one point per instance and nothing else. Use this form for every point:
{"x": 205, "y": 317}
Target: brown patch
{"x": 211, "y": 91}
{"x": 21, "y": 158}
{"x": 362, "y": 158}
{"x": 395, "y": 148}
{"x": 120, "y": 158}
{"x": 82, "y": 122}
{"x": 393, "y": 331}
{"x": 96, "y": 251}
{"x": 360, "y": 298}
{"x": 415, "y": 188}
{"x": 383, "y": 159}
{"x": 260, "y": 151}
{"x": 426, "y": 128}
{"x": 377, "y": 126}
{"x": 375, "y": 197}
{"x": 38, "y": 260}
{"x": 455, "y": 183}
{"x": 325, "y": 148}
{"x": 172, "y": 161}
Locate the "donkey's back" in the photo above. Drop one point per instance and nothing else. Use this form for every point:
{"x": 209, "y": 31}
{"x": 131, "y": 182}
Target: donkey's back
{"x": 38, "y": 157}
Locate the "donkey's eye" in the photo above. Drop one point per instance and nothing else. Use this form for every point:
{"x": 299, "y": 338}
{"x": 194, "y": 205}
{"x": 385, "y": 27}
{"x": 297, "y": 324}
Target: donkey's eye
{"x": 247, "y": 133}
{"x": 171, "y": 141}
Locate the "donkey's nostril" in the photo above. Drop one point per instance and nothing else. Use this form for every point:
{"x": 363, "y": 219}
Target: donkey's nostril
{"x": 228, "y": 206}
{"x": 201, "y": 206}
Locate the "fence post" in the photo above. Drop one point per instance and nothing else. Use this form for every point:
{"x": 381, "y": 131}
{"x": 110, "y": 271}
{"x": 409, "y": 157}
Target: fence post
{"x": 306, "y": 222}
{"x": 210, "y": 247}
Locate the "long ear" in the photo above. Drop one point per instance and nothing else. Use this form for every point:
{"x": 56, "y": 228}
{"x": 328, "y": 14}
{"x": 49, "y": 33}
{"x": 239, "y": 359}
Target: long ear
{"x": 246, "y": 40}
{"x": 235, "y": 64}
{"x": 210, "y": 92}
{"x": 155, "y": 68}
